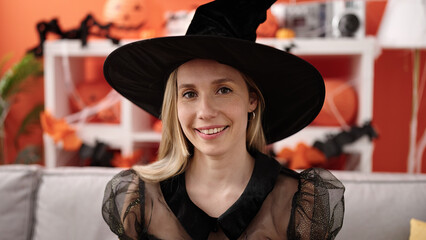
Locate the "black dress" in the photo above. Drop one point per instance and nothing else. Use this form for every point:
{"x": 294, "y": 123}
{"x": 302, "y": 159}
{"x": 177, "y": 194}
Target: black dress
{"x": 277, "y": 203}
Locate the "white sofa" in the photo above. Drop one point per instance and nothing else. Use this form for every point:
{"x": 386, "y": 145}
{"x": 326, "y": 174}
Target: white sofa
{"x": 65, "y": 203}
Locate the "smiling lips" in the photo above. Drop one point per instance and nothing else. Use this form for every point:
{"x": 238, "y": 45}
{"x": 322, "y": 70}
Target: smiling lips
{"x": 211, "y": 131}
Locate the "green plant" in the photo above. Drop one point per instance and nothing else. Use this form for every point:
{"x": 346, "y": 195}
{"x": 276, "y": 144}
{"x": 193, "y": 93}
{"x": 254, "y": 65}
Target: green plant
{"x": 11, "y": 83}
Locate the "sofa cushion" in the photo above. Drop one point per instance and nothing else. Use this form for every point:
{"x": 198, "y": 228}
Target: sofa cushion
{"x": 69, "y": 204}
{"x": 379, "y": 206}
{"x": 18, "y": 187}
{"x": 417, "y": 229}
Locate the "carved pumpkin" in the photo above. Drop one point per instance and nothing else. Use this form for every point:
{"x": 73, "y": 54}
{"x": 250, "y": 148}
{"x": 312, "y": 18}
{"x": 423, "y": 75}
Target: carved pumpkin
{"x": 125, "y": 13}
{"x": 134, "y": 18}
{"x": 340, "y": 106}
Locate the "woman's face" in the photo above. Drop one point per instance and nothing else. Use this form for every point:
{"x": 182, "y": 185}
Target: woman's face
{"x": 213, "y": 103}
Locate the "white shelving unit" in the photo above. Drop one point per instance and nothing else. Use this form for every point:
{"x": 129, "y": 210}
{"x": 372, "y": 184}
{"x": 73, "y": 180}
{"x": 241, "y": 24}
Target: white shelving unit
{"x": 64, "y": 57}
{"x": 361, "y": 53}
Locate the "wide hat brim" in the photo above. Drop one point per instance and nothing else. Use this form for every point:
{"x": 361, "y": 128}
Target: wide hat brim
{"x": 292, "y": 88}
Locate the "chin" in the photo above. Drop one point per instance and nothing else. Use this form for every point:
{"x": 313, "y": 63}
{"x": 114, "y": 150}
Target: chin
{"x": 211, "y": 151}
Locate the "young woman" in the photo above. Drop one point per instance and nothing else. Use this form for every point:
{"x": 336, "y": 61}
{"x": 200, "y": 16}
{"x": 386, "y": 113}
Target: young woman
{"x": 221, "y": 98}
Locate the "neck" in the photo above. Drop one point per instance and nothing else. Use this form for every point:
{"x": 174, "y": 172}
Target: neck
{"x": 219, "y": 171}
{"x": 214, "y": 183}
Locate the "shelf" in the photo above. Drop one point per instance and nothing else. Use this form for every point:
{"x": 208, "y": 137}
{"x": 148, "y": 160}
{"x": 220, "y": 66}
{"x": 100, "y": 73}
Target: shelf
{"x": 323, "y": 46}
{"x": 154, "y": 137}
{"x": 303, "y": 46}
{"x": 69, "y": 47}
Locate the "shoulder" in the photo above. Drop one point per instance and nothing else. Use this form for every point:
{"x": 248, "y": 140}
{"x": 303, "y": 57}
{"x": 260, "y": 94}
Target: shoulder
{"x": 123, "y": 181}
{"x": 130, "y": 184}
{"x": 287, "y": 181}
{"x": 123, "y": 187}
{"x": 312, "y": 179}
{"x": 125, "y": 175}
{"x": 320, "y": 182}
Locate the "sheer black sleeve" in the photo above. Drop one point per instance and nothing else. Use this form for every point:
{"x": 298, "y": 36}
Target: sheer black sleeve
{"x": 318, "y": 206}
{"x": 135, "y": 209}
{"x": 122, "y": 205}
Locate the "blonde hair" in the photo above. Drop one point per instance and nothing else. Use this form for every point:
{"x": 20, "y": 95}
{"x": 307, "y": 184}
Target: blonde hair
{"x": 175, "y": 149}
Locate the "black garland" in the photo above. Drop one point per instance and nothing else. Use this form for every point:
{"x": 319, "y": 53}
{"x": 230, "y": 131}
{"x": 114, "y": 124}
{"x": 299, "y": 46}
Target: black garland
{"x": 82, "y": 33}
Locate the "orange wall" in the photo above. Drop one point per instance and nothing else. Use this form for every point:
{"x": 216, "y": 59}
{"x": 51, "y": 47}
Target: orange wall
{"x": 18, "y": 20}
{"x": 392, "y": 86}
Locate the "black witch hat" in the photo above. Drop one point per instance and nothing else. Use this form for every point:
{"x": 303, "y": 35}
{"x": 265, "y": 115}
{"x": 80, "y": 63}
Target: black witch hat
{"x": 225, "y": 31}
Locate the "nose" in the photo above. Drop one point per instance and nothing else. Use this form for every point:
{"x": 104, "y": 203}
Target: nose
{"x": 207, "y": 108}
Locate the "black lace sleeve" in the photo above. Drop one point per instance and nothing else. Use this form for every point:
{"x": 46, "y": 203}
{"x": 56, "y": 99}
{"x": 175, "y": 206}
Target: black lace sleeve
{"x": 122, "y": 205}
{"x": 318, "y": 206}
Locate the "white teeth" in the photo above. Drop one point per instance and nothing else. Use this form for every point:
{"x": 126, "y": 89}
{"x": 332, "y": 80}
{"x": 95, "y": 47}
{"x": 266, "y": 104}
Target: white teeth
{"x": 212, "y": 130}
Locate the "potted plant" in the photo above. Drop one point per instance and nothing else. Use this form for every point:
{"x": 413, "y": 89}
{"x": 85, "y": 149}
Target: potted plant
{"x": 11, "y": 83}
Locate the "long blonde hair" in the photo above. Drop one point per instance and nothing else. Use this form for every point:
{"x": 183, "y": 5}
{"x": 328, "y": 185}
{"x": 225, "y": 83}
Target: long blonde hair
{"x": 175, "y": 149}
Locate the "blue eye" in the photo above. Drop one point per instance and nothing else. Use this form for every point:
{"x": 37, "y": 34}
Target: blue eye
{"x": 189, "y": 95}
{"x": 224, "y": 90}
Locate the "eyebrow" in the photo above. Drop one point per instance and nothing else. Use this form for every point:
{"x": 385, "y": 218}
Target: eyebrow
{"x": 215, "y": 82}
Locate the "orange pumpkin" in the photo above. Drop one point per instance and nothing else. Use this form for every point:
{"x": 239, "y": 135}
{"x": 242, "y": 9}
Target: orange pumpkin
{"x": 134, "y": 18}
{"x": 285, "y": 33}
{"x": 340, "y": 106}
{"x": 125, "y": 13}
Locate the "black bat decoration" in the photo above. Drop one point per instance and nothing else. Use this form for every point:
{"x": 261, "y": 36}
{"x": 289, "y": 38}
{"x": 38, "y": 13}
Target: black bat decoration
{"x": 334, "y": 144}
